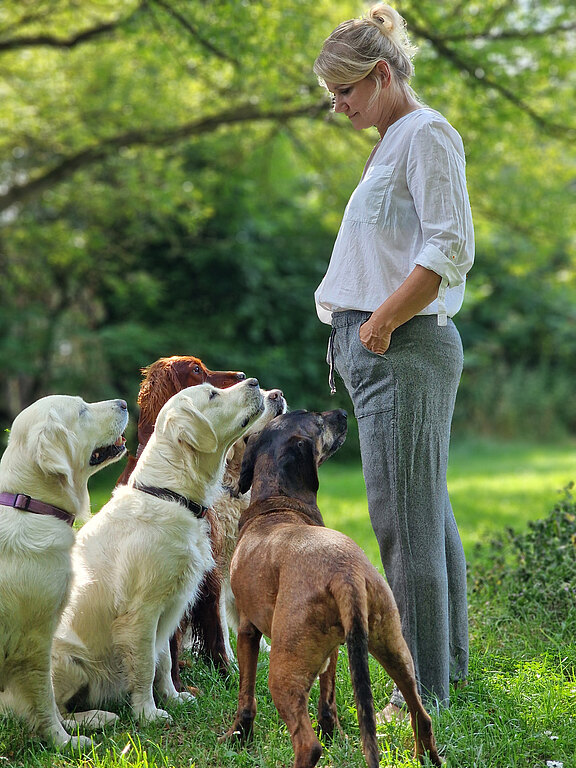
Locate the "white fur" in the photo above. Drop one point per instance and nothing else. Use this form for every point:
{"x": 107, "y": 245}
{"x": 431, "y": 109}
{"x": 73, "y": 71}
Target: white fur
{"x": 140, "y": 559}
{"x": 48, "y": 459}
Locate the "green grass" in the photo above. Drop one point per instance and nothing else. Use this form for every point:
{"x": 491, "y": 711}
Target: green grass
{"x": 518, "y": 711}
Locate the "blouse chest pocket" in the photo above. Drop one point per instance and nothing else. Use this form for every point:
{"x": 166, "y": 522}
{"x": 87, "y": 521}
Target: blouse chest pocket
{"x": 367, "y": 200}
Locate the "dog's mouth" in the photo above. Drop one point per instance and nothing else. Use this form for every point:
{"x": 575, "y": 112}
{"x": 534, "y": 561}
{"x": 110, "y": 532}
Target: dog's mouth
{"x": 331, "y": 450}
{"x": 278, "y": 406}
{"x": 107, "y": 452}
{"x": 256, "y": 411}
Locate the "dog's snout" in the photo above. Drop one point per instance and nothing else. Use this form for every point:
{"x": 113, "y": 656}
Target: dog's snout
{"x": 241, "y": 376}
{"x": 122, "y": 404}
{"x": 253, "y": 382}
{"x": 275, "y": 394}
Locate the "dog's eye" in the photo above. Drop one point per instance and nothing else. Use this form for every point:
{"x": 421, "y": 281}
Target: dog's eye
{"x": 213, "y": 394}
{"x": 196, "y": 369}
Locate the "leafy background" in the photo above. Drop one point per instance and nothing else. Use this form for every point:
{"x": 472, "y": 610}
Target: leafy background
{"x": 171, "y": 182}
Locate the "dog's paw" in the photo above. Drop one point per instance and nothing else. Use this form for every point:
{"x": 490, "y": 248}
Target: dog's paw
{"x": 185, "y": 696}
{"x": 153, "y": 715}
{"x": 93, "y": 719}
{"x": 76, "y": 743}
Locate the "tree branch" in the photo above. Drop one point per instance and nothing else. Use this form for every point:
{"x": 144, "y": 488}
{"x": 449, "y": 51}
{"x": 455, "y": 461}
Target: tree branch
{"x": 564, "y": 132}
{"x": 510, "y": 34}
{"x": 51, "y": 41}
{"x": 20, "y": 193}
{"x": 193, "y": 31}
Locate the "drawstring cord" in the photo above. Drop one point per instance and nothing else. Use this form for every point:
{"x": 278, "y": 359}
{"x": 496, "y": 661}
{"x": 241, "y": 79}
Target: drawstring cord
{"x": 330, "y": 361}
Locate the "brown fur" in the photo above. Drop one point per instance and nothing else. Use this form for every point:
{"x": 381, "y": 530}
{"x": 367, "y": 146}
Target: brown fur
{"x": 310, "y": 589}
{"x": 162, "y": 379}
{"x": 198, "y": 623}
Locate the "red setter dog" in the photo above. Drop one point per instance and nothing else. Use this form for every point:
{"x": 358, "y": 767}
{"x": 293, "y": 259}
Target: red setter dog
{"x": 165, "y": 378}
{"x": 162, "y": 379}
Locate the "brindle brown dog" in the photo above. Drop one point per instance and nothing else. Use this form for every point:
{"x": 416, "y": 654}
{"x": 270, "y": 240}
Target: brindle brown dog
{"x": 310, "y": 589}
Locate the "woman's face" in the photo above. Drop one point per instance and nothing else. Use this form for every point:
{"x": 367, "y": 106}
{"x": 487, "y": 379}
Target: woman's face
{"x": 354, "y": 101}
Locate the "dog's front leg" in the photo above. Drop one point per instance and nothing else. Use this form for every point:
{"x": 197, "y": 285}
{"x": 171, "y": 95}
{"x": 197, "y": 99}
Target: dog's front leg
{"x": 327, "y": 714}
{"x": 247, "y": 647}
{"x": 37, "y": 695}
{"x": 135, "y": 641}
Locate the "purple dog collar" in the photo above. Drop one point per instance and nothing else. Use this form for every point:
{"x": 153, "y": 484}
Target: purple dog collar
{"x": 27, "y": 504}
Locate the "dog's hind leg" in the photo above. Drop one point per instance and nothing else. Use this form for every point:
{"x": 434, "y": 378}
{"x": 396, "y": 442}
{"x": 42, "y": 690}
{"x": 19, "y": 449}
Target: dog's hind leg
{"x": 389, "y": 648}
{"x": 71, "y": 686}
{"x": 290, "y": 680}
{"x": 247, "y": 651}
{"x": 327, "y": 714}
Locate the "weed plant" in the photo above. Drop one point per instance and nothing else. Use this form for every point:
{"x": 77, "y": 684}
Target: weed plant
{"x": 533, "y": 572}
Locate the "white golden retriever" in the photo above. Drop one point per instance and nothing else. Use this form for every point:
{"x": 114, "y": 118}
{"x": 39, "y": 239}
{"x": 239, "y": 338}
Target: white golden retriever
{"x": 140, "y": 560}
{"x": 55, "y": 445}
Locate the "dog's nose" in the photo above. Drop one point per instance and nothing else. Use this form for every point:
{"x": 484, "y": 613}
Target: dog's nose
{"x": 240, "y": 375}
{"x": 274, "y": 394}
{"x": 252, "y": 382}
{"x": 122, "y": 404}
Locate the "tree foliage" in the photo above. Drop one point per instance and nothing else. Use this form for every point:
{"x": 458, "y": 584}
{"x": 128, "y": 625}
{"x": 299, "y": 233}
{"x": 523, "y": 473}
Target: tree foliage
{"x": 171, "y": 182}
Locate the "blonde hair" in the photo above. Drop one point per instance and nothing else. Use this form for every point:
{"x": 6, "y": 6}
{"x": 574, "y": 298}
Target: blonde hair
{"x": 354, "y": 48}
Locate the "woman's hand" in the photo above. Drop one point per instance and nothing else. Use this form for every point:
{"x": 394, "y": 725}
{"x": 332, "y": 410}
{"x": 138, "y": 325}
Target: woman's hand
{"x": 374, "y": 337}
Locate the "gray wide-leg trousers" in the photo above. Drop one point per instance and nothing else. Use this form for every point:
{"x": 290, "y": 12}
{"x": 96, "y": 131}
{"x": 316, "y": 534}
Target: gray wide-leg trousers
{"x": 404, "y": 402}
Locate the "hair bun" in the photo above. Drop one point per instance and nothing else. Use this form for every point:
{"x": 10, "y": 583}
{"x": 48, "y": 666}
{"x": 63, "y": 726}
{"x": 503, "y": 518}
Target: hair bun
{"x": 381, "y": 16}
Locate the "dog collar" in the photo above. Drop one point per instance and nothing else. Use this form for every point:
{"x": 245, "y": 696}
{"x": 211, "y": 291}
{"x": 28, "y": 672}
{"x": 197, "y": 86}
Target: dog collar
{"x": 26, "y": 503}
{"x": 165, "y": 493}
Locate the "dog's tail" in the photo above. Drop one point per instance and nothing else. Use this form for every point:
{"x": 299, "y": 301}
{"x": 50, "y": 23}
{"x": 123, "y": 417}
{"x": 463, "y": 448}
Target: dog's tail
{"x": 350, "y": 594}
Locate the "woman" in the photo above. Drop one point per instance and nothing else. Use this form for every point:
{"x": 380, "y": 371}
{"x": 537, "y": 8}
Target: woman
{"x": 395, "y": 280}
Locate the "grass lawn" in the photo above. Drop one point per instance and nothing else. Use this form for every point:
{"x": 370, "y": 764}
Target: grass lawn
{"x": 518, "y": 711}
{"x": 492, "y": 485}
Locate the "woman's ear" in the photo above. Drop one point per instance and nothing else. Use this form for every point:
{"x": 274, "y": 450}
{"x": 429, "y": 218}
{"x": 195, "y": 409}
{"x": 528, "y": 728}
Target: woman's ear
{"x": 383, "y": 71}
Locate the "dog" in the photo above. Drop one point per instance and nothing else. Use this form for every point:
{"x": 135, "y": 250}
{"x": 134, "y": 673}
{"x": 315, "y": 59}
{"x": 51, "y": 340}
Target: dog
{"x": 310, "y": 589}
{"x": 55, "y": 445}
{"x": 162, "y": 379}
{"x": 141, "y": 559}
{"x": 205, "y": 626}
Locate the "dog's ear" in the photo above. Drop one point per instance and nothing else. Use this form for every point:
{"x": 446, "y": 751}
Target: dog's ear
{"x": 248, "y": 463}
{"x": 187, "y": 424}
{"x": 54, "y": 447}
{"x": 297, "y": 464}
{"x": 159, "y": 383}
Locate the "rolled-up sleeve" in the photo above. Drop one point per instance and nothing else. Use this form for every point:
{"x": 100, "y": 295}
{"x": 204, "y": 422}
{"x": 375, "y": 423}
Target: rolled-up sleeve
{"x": 436, "y": 175}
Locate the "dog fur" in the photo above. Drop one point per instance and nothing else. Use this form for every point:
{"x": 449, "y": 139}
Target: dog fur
{"x": 55, "y": 445}
{"x": 142, "y": 558}
{"x": 310, "y": 589}
{"x": 162, "y": 379}
{"x": 225, "y": 516}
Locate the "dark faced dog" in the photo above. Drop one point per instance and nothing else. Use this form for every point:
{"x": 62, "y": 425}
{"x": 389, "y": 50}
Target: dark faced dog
{"x": 310, "y": 589}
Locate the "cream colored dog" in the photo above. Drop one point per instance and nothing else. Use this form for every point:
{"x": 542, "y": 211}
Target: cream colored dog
{"x": 140, "y": 560}
{"x": 54, "y": 446}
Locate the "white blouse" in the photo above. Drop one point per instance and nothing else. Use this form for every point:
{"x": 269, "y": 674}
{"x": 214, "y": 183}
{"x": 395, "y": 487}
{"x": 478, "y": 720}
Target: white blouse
{"x": 410, "y": 207}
